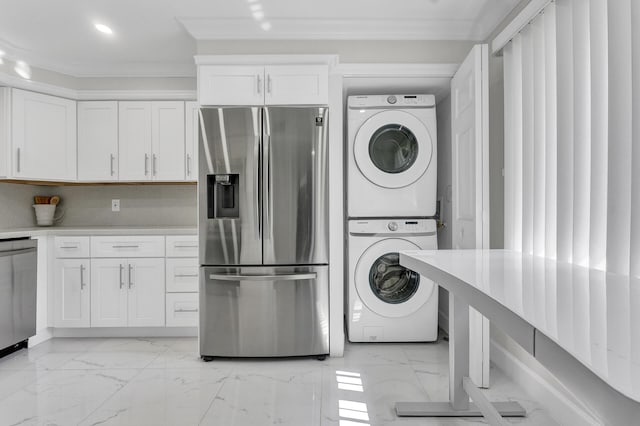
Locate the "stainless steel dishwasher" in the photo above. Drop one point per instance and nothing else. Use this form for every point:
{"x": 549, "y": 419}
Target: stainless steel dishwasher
{"x": 18, "y": 281}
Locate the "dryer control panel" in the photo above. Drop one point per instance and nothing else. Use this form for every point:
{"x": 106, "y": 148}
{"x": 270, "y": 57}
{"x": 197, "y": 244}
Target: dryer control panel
{"x": 392, "y": 226}
{"x": 391, "y": 101}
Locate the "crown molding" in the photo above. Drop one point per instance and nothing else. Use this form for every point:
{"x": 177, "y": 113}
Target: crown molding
{"x": 330, "y": 60}
{"x": 102, "y": 95}
{"x": 333, "y": 29}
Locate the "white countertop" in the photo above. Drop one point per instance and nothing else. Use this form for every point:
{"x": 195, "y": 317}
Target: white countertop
{"x": 591, "y": 314}
{"x": 98, "y": 230}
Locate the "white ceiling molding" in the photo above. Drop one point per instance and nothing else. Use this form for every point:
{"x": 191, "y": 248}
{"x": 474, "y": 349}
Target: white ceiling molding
{"x": 330, "y": 60}
{"x": 521, "y": 20}
{"x": 333, "y": 29}
{"x": 95, "y": 95}
{"x": 397, "y": 70}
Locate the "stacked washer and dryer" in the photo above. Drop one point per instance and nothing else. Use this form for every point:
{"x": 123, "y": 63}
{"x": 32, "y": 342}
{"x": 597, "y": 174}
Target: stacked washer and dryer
{"x": 391, "y": 192}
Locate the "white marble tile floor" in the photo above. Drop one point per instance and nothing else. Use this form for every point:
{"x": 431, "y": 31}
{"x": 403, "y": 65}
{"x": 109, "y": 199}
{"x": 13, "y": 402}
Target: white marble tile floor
{"x": 162, "y": 381}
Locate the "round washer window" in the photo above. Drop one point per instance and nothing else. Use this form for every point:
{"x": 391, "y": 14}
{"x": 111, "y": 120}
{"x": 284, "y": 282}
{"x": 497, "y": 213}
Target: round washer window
{"x": 393, "y": 148}
{"x": 391, "y": 282}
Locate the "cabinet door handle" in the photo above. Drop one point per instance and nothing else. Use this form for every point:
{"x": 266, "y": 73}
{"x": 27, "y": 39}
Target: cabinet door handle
{"x": 188, "y": 165}
{"x": 186, "y": 310}
{"x": 18, "y": 160}
{"x": 111, "y": 159}
{"x": 130, "y": 276}
{"x": 259, "y": 83}
{"x": 131, "y": 246}
{"x": 121, "y": 277}
{"x": 68, "y": 247}
{"x": 146, "y": 164}
{"x": 269, "y": 83}
{"x": 82, "y": 284}
{"x": 186, "y": 276}
{"x": 154, "y": 164}
{"x": 185, "y": 246}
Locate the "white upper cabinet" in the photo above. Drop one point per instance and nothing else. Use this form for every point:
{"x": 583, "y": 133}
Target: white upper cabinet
{"x": 230, "y": 85}
{"x": 167, "y": 136}
{"x": 134, "y": 141}
{"x": 98, "y": 141}
{"x": 301, "y": 85}
{"x": 43, "y": 136}
{"x": 5, "y": 131}
{"x": 191, "y": 124}
{"x": 263, "y": 85}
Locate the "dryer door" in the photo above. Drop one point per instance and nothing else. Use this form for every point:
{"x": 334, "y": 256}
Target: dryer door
{"x": 393, "y": 149}
{"x": 385, "y": 287}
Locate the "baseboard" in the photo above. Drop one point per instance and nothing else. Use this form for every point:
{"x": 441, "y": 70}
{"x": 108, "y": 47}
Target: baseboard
{"x": 558, "y": 400}
{"x": 127, "y": 332}
{"x": 41, "y": 336}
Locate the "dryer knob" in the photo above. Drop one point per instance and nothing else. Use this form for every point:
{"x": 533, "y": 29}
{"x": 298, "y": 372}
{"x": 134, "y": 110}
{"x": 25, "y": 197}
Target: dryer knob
{"x": 392, "y": 99}
{"x": 393, "y": 226}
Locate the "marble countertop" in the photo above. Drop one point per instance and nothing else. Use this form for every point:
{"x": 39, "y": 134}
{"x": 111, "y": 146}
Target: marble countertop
{"x": 591, "y": 314}
{"x": 97, "y": 230}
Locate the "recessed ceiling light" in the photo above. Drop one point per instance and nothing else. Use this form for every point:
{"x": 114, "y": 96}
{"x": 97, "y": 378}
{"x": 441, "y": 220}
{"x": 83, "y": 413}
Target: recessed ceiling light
{"x": 266, "y": 26}
{"x": 252, "y": 1}
{"x": 104, "y": 29}
{"x": 255, "y": 7}
{"x": 23, "y": 70}
{"x": 258, "y": 15}
{"x": 2, "y": 53}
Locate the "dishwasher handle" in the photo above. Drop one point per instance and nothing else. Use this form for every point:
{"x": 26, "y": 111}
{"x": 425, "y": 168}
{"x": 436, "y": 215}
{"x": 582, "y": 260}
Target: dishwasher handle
{"x": 284, "y": 277}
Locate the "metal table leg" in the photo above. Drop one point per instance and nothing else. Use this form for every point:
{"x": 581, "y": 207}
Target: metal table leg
{"x": 460, "y": 385}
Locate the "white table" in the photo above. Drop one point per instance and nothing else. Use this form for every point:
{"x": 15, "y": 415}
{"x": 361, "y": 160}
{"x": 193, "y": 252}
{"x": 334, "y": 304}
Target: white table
{"x": 582, "y": 324}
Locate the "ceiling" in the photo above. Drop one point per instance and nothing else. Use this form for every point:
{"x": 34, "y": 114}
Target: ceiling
{"x": 158, "y": 37}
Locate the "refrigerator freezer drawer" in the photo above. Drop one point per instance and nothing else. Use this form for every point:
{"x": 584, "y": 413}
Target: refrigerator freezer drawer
{"x": 264, "y": 312}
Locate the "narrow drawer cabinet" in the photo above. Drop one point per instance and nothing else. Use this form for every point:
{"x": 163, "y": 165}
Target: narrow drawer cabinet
{"x": 182, "y": 310}
{"x": 182, "y": 275}
{"x": 182, "y": 246}
{"x": 71, "y": 247}
{"x": 128, "y": 246}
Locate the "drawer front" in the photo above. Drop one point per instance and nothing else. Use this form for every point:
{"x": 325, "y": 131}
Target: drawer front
{"x": 182, "y": 309}
{"x": 127, "y": 246}
{"x": 182, "y": 246}
{"x": 182, "y": 275}
{"x": 71, "y": 247}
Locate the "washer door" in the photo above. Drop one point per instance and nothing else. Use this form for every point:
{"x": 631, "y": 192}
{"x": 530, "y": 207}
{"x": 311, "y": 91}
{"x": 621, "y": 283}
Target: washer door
{"x": 393, "y": 149}
{"x": 385, "y": 287}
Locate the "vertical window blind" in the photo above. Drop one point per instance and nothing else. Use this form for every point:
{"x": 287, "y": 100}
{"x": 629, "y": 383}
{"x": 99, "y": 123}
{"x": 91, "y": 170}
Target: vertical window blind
{"x": 572, "y": 135}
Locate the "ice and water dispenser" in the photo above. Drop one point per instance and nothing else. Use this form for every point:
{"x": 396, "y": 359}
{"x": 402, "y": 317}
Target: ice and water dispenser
{"x": 223, "y": 196}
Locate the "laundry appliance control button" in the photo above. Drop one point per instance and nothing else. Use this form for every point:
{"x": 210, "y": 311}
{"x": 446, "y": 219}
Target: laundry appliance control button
{"x": 392, "y": 99}
{"x": 393, "y": 226}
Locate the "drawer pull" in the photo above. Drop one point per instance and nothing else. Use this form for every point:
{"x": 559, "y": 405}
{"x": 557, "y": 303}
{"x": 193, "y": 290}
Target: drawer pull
{"x": 68, "y": 247}
{"x": 131, "y": 246}
{"x": 186, "y": 310}
{"x": 186, "y": 276}
{"x": 185, "y": 246}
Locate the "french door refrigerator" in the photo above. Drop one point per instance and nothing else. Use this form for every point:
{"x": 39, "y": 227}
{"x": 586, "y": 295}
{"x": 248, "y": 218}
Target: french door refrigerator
{"x": 263, "y": 232}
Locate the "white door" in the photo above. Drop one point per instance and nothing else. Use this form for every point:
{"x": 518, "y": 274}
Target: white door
{"x": 43, "y": 136}
{"x": 470, "y": 183}
{"x": 296, "y": 84}
{"x": 191, "y": 140}
{"x": 146, "y": 292}
{"x": 98, "y": 141}
{"x": 167, "y": 135}
{"x": 108, "y": 293}
{"x": 134, "y": 140}
{"x": 71, "y": 293}
{"x": 231, "y": 85}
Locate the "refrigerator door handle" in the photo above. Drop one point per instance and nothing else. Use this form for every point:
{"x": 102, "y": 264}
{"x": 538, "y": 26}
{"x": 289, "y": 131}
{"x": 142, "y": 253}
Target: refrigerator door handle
{"x": 256, "y": 170}
{"x": 267, "y": 189}
{"x": 284, "y": 277}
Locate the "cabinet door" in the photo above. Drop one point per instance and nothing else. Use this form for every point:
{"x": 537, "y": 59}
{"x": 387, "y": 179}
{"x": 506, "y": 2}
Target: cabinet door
{"x": 191, "y": 132}
{"x": 230, "y": 85}
{"x": 71, "y": 293}
{"x": 109, "y": 293}
{"x": 167, "y": 161}
{"x": 5, "y": 131}
{"x": 297, "y": 85}
{"x": 98, "y": 141}
{"x": 146, "y": 292}
{"x": 134, "y": 140}
{"x": 44, "y": 136}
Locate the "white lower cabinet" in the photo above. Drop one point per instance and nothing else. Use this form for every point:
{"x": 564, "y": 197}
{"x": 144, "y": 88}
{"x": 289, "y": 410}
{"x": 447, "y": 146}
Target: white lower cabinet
{"x": 182, "y": 309}
{"x": 72, "y": 285}
{"x": 127, "y": 292}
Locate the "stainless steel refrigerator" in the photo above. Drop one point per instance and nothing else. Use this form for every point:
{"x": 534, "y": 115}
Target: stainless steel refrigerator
{"x": 263, "y": 227}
